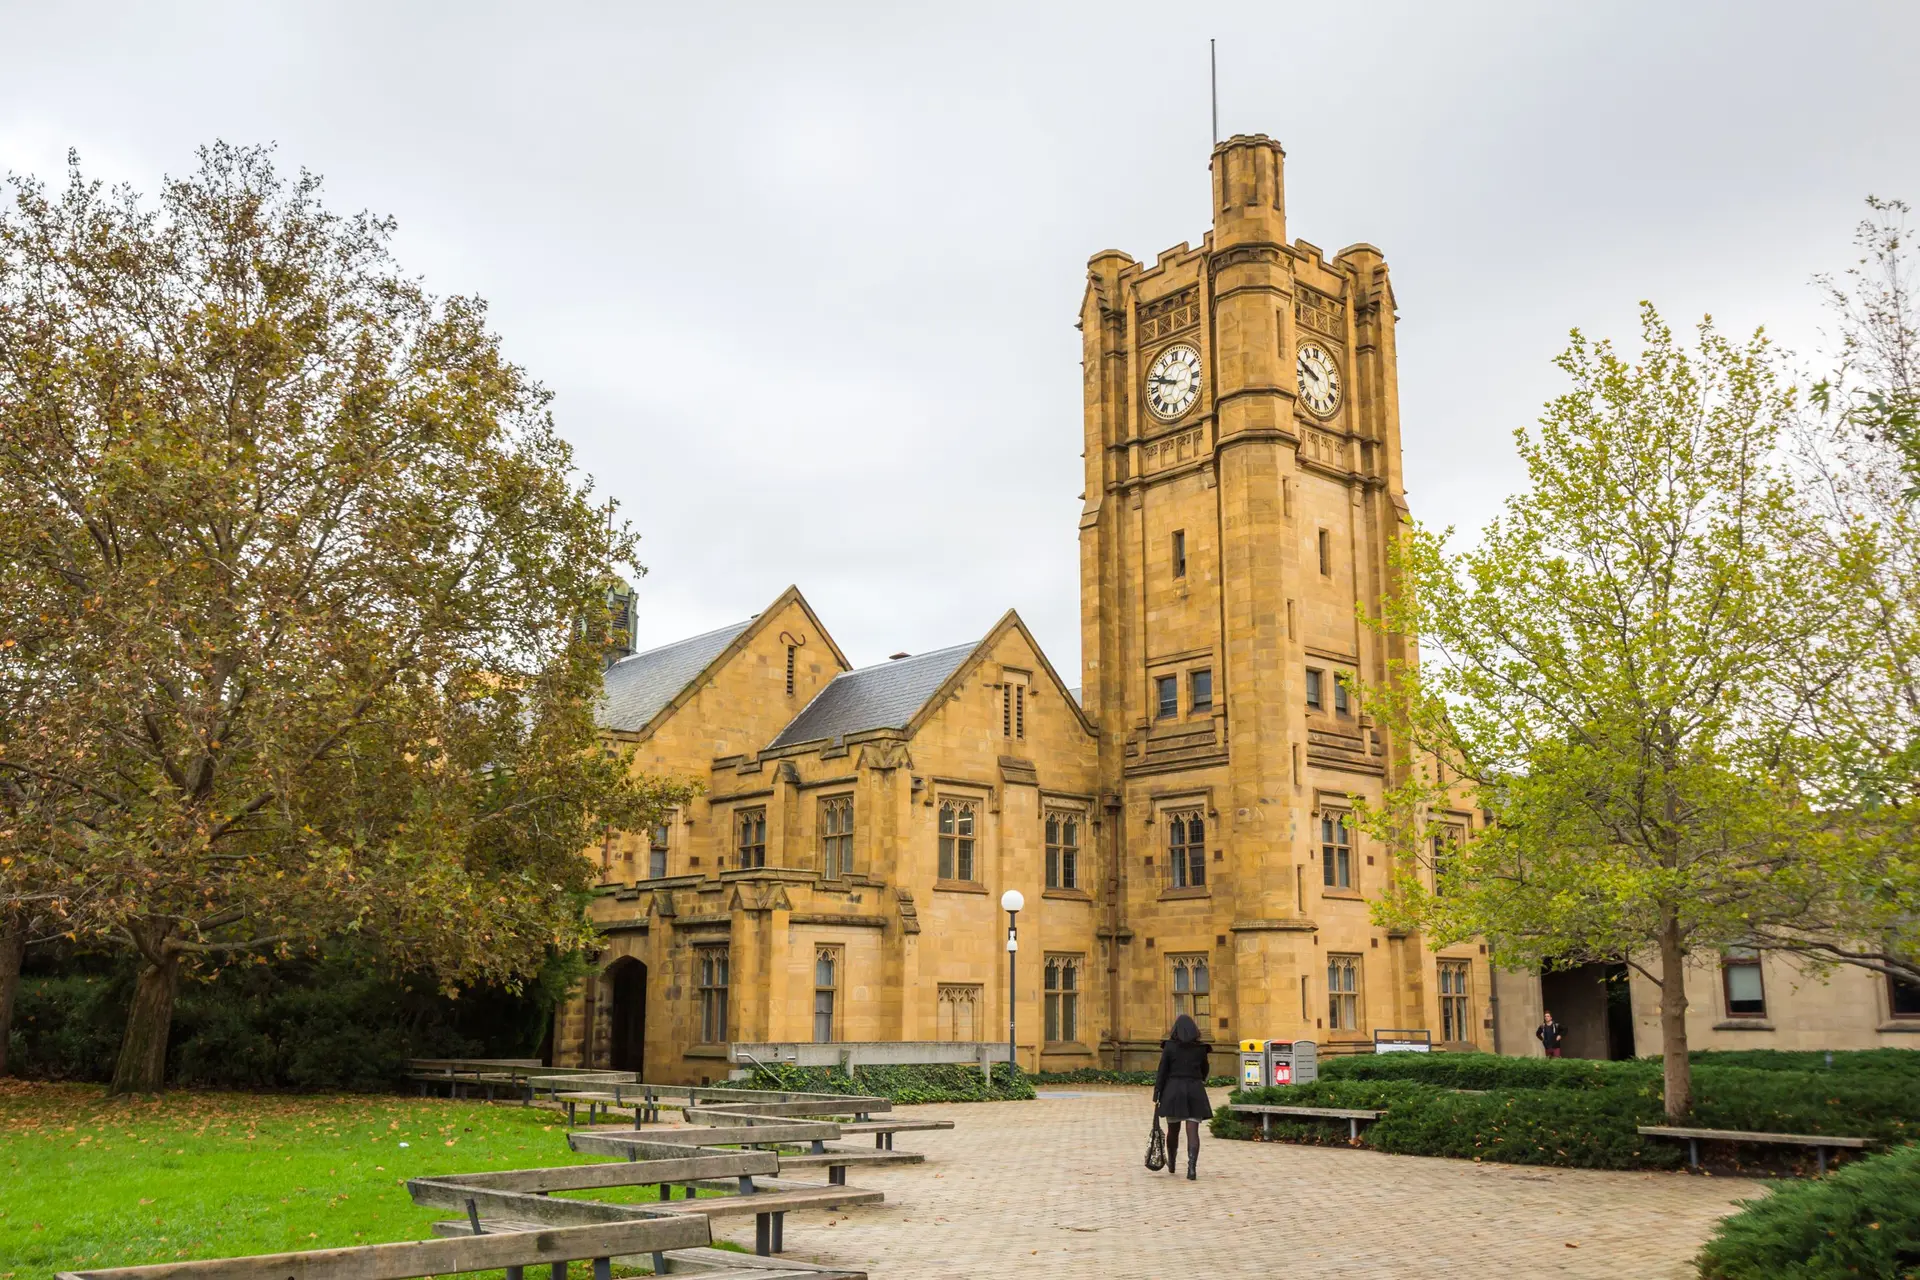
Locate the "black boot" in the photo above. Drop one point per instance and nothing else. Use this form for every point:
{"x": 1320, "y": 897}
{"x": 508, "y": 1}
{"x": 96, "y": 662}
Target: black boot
{"x": 1193, "y": 1161}
{"x": 1173, "y": 1148}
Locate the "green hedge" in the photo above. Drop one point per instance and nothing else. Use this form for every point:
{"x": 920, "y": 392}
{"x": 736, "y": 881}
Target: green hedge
{"x": 324, "y": 1024}
{"x": 1100, "y": 1075}
{"x": 1862, "y": 1221}
{"x": 1584, "y": 1114}
{"x": 931, "y": 1082}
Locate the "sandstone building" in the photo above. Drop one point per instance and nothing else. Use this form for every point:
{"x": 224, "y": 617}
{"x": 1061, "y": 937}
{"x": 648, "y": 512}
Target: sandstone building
{"x": 1178, "y": 822}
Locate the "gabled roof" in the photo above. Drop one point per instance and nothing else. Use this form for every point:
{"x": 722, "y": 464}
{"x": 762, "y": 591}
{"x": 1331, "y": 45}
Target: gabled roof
{"x": 887, "y": 696}
{"x": 638, "y": 686}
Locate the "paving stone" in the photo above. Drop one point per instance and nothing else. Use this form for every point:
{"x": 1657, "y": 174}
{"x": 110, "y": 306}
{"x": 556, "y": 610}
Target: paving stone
{"x": 1057, "y": 1185}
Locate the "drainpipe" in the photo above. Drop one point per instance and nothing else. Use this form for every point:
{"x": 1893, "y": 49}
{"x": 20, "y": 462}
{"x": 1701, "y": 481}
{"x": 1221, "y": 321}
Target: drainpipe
{"x": 1493, "y": 996}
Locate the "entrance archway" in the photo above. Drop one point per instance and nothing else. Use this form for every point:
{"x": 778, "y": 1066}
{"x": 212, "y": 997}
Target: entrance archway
{"x": 627, "y": 1010}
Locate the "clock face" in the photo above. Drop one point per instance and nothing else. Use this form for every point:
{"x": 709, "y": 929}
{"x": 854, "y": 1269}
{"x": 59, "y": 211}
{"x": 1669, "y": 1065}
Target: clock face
{"x": 1173, "y": 383}
{"x": 1319, "y": 379}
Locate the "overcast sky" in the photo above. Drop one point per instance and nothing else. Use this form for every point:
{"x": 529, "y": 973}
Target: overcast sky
{"x": 804, "y": 276}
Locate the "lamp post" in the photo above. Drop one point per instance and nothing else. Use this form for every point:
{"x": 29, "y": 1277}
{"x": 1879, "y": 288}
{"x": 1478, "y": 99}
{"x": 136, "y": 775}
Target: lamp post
{"x": 1011, "y": 901}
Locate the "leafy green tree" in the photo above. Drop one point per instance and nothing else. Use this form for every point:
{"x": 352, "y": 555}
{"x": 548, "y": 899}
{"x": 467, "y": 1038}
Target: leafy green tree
{"x": 300, "y": 595}
{"x": 1606, "y": 672}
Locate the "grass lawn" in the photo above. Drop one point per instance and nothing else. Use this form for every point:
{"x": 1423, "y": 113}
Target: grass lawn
{"x": 88, "y": 1181}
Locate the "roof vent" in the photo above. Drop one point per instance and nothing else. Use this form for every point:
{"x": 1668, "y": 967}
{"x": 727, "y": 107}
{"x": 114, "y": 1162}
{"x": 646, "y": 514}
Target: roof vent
{"x": 895, "y": 657}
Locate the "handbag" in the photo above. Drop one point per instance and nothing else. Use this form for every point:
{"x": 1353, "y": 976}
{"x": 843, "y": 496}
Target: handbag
{"x": 1157, "y": 1147}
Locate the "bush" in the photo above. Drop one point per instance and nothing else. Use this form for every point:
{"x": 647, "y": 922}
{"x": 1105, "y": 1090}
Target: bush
{"x": 1100, "y": 1075}
{"x": 1486, "y": 1070}
{"x": 925, "y": 1082}
{"x": 324, "y": 1024}
{"x": 1862, "y": 1221}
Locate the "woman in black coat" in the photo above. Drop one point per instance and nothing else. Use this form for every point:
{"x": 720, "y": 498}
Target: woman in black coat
{"x": 1180, "y": 1090}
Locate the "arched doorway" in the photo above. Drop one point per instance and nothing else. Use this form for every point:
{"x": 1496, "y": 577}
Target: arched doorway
{"x": 627, "y": 1015}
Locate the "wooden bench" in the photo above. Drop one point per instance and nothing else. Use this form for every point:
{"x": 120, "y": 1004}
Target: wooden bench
{"x": 1821, "y": 1143}
{"x": 883, "y": 1130}
{"x": 1355, "y": 1117}
{"x": 511, "y": 1252}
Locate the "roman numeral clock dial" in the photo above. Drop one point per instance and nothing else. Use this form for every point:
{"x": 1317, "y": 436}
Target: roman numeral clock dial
{"x": 1173, "y": 382}
{"x": 1319, "y": 379}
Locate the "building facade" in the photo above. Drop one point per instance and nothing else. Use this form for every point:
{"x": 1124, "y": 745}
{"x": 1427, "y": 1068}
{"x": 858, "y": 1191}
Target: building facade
{"x": 1180, "y": 824}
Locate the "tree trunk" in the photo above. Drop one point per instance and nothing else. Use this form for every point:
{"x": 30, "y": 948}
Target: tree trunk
{"x": 1673, "y": 1018}
{"x": 142, "y": 1067}
{"x": 13, "y": 952}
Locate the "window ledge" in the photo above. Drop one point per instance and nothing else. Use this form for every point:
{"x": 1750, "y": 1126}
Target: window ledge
{"x": 1909, "y": 1026}
{"x": 705, "y": 1051}
{"x": 1744, "y": 1024}
{"x": 959, "y": 886}
{"x": 1064, "y": 1046}
{"x": 1345, "y": 895}
{"x": 1070, "y": 895}
{"x": 1171, "y": 895}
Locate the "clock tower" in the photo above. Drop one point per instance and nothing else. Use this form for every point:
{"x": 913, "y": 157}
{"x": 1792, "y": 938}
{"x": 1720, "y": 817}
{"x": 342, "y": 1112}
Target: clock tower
{"x": 1243, "y": 485}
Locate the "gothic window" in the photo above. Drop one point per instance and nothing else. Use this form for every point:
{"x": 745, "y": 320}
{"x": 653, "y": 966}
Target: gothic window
{"x": 1063, "y": 998}
{"x": 1343, "y": 993}
{"x": 826, "y": 987}
{"x": 956, "y": 839}
{"x": 1192, "y": 994}
{"x": 1199, "y": 690}
{"x": 710, "y": 964}
{"x": 751, "y": 846}
{"x": 1456, "y": 1024}
{"x": 1336, "y": 851}
{"x": 959, "y": 1012}
{"x": 1063, "y": 849}
{"x": 836, "y": 836}
{"x": 657, "y": 852}
{"x": 1187, "y": 850}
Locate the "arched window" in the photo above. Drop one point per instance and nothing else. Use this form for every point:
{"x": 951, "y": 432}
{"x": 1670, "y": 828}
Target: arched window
{"x": 1187, "y": 850}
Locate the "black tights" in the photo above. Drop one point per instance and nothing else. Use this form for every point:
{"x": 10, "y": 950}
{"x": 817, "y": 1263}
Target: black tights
{"x": 1173, "y": 1138}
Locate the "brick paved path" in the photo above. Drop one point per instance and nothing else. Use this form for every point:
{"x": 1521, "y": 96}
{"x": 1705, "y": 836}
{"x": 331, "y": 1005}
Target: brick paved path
{"x": 1057, "y": 1185}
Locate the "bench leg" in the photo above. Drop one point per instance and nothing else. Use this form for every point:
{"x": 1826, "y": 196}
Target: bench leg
{"x": 763, "y": 1234}
{"x": 1353, "y": 1129}
{"x": 746, "y": 1184}
{"x": 603, "y": 1269}
{"x": 879, "y": 1141}
{"x": 1266, "y": 1126}
{"x": 1822, "y": 1153}
{"x": 779, "y": 1232}
{"x": 659, "y": 1264}
{"x": 837, "y": 1175}
{"x": 1693, "y": 1152}
{"x": 889, "y": 1142}
{"x": 516, "y": 1273}
{"x": 819, "y": 1147}
{"x": 559, "y": 1271}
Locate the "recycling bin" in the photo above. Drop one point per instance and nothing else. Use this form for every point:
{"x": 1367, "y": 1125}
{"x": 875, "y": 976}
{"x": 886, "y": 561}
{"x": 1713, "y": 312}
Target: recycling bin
{"x": 1253, "y": 1064}
{"x": 1288, "y": 1062}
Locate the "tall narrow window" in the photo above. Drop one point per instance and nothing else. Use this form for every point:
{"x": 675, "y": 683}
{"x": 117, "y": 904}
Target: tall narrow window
{"x": 1199, "y": 691}
{"x": 956, "y": 840}
{"x": 1166, "y": 697}
{"x": 1746, "y": 993}
{"x": 1456, "y": 1026}
{"x": 1446, "y": 853}
{"x": 750, "y": 847}
{"x": 710, "y": 965}
{"x": 836, "y": 836}
{"x": 1187, "y": 850}
{"x": 657, "y": 852}
{"x": 1013, "y": 710}
{"x": 1192, "y": 995}
{"x": 1326, "y": 554}
{"x": 1340, "y": 692}
{"x": 826, "y": 985}
{"x": 1336, "y": 851}
{"x": 1179, "y": 553}
{"x": 1063, "y": 849}
{"x": 790, "y": 653}
{"x": 1313, "y": 688}
{"x": 959, "y": 1012}
{"x": 1343, "y": 993}
{"x": 1063, "y": 998}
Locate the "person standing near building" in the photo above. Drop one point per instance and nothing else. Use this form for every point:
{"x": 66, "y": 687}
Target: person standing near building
{"x": 1180, "y": 1090}
{"x": 1548, "y": 1033}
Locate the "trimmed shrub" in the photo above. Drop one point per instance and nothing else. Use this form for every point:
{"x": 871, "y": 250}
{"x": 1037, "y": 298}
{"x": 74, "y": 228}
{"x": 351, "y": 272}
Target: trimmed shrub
{"x": 926, "y": 1082}
{"x": 1100, "y": 1075}
{"x": 1862, "y": 1221}
{"x": 1486, "y": 1070}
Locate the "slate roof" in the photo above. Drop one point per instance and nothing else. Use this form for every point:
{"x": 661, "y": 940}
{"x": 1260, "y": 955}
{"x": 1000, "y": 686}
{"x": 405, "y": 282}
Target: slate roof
{"x": 881, "y": 697}
{"x": 638, "y": 685}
